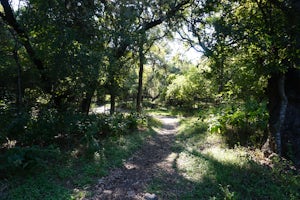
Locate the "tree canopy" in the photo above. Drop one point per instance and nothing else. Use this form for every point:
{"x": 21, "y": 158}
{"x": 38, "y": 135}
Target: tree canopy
{"x": 66, "y": 56}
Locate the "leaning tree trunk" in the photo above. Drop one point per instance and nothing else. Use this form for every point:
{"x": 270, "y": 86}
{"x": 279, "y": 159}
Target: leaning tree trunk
{"x": 8, "y": 17}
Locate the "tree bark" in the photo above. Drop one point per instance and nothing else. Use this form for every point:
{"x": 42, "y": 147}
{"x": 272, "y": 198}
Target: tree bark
{"x": 220, "y": 66}
{"x": 86, "y": 101}
{"x": 282, "y": 113}
{"x": 141, "y": 72}
{"x": 19, "y": 98}
{"x": 112, "y": 103}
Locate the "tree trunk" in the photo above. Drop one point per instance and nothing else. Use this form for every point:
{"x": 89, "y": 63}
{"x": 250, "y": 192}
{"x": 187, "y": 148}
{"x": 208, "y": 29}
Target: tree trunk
{"x": 277, "y": 107}
{"x": 19, "y": 99}
{"x": 112, "y": 89}
{"x": 86, "y": 102}
{"x": 112, "y": 102}
{"x": 141, "y": 71}
{"x": 291, "y": 130}
{"x": 282, "y": 113}
{"x": 220, "y": 65}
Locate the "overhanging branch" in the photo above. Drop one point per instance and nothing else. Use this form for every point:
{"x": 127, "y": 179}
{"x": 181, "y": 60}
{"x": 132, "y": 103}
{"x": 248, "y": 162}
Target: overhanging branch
{"x": 9, "y": 18}
{"x": 151, "y": 24}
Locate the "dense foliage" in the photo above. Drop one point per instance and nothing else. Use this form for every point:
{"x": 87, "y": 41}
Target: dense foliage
{"x": 61, "y": 58}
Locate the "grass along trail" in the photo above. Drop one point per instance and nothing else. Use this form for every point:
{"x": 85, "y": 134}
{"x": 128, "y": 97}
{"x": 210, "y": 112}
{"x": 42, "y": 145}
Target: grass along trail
{"x": 182, "y": 160}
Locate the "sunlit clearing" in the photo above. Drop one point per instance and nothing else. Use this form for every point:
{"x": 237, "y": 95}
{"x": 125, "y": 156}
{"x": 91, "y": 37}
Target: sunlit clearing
{"x": 192, "y": 167}
{"x": 226, "y": 156}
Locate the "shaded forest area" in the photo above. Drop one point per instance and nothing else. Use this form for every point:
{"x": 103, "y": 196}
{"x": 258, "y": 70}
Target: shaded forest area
{"x": 60, "y": 59}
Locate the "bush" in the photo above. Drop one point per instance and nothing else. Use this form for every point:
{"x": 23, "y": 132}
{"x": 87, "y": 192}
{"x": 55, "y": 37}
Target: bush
{"x": 43, "y": 127}
{"x": 12, "y": 124}
{"x": 19, "y": 159}
{"x": 244, "y": 124}
{"x": 117, "y": 124}
{"x": 48, "y": 127}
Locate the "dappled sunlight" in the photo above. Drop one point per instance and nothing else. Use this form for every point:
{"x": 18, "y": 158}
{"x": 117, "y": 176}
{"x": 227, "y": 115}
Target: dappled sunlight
{"x": 191, "y": 167}
{"x": 188, "y": 99}
{"x": 154, "y": 159}
{"x": 79, "y": 193}
{"x": 129, "y": 166}
{"x": 230, "y": 156}
{"x": 167, "y": 164}
{"x": 219, "y": 172}
{"x": 9, "y": 144}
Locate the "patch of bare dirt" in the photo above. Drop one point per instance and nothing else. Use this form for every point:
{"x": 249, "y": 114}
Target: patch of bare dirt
{"x": 154, "y": 159}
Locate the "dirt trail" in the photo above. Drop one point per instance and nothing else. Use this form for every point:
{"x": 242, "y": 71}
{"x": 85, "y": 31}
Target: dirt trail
{"x": 154, "y": 159}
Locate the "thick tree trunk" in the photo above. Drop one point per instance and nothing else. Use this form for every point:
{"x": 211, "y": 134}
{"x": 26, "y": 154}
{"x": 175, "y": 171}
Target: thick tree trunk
{"x": 284, "y": 113}
{"x": 112, "y": 90}
{"x": 277, "y": 109}
{"x": 86, "y": 102}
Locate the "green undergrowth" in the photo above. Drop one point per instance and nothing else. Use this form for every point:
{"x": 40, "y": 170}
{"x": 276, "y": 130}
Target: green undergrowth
{"x": 71, "y": 172}
{"x": 208, "y": 169}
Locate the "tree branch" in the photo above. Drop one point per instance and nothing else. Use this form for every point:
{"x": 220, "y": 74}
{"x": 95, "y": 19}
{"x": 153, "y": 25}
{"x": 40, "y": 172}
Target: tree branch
{"x": 148, "y": 25}
{"x": 9, "y": 18}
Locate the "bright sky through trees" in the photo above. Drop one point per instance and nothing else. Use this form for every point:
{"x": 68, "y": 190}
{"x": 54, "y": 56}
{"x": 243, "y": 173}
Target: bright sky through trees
{"x": 16, "y": 3}
{"x": 176, "y": 46}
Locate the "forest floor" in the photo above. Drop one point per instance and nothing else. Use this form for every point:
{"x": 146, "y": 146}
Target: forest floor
{"x": 154, "y": 159}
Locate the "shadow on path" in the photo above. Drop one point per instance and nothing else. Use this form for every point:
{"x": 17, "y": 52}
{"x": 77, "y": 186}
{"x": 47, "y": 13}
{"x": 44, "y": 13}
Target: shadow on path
{"x": 153, "y": 160}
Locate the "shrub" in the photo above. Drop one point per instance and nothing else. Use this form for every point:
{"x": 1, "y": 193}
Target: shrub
{"x": 19, "y": 159}
{"x": 49, "y": 127}
{"x": 12, "y": 124}
{"x": 244, "y": 124}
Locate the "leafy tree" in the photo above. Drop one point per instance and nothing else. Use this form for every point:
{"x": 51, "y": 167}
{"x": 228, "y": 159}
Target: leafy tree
{"x": 157, "y": 70}
{"x": 143, "y": 17}
{"x": 259, "y": 38}
{"x": 188, "y": 88}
